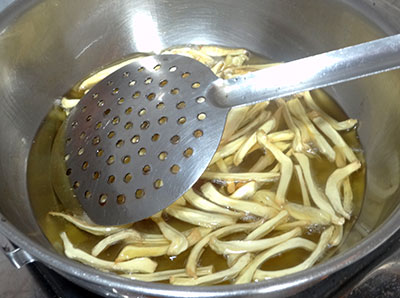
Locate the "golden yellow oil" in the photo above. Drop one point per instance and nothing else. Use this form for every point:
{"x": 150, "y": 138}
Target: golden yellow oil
{"x": 49, "y": 191}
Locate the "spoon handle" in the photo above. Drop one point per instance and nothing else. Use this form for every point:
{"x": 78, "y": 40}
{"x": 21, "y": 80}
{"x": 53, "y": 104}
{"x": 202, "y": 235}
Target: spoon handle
{"x": 308, "y": 73}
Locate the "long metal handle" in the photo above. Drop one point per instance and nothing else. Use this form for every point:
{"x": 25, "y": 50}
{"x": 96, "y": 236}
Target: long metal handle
{"x": 309, "y": 73}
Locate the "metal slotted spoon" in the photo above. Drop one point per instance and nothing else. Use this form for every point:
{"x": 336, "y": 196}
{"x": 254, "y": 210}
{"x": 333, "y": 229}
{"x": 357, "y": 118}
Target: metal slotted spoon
{"x": 142, "y": 136}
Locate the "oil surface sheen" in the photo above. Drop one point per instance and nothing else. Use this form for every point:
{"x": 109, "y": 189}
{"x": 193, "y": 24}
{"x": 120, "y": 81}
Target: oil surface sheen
{"x": 49, "y": 191}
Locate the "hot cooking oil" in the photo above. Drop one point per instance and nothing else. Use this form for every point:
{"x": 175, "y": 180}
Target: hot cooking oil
{"x": 49, "y": 190}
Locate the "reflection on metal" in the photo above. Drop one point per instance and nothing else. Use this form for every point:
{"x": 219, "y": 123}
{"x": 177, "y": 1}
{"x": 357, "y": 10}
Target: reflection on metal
{"x": 17, "y": 256}
{"x": 145, "y": 32}
{"x": 309, "y": 73}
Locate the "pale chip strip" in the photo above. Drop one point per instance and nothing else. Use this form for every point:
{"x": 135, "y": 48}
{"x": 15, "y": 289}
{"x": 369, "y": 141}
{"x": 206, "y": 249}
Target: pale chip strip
{"x": 316, "y": 195}
{"x": 211, "y": 193}
{"x": 244, "y": 149}
{"x": 234, "y": 121}
{"x": 167, "y": 274}
{"x": 69, "y": 103}
{"x": 90, "y": 227}
{"x": 315, "y": 255}
{"x": 114, "y": 239}
{"x": 201, "y": 203}
{"x": 143, "y": 265}
{"x": 251, "y": 126}
{"x": 191, "y": 53}
{"x": 263, "y": 162}
{"x": 228, "y": 149}
{"x": 298, "y": 145}
{"x": 214, "y": 51}
{"x": 346, "y": 185}
{"x": 102, "y": 74}
{"x": 241, "y": 177}
{"x": 303, "y": 187}
{"x": 291, "y": 225}
{"x": 286, "y": 168}
{"x": 337, "y": 236}
{"x": 243, "y": 246}
{"x": 281, "y": 136}
{"x": 179, "y": 242}
{"x": 194, "y": 235}
{"x": 215, "y": 277}
{"x": 308, "y": 214}
{"x": 200, "y": 218}
{"x": 333, "y": 135}
{"x": 260, "y": 232}
{"x": 265, "y": 197}
{"x": 246, "y": 191}
{"x": 252, "y": 140}
{"x": 297, "y": 109}
{"x": 132, "y": 251}
{"x": 268, "y": 226}
{"x": 334, "y": 183}
{"x": 222, "y": 166}
{"x": 198, "y": 249}
{"x": 254, "y": 111}
{"x": 304, "y": 132}
{"x": 247, "y": 273}
{"x": 344, "y": 125}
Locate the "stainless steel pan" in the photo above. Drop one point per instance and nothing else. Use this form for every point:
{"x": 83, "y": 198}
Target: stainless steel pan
{"x": 47, "y": 46}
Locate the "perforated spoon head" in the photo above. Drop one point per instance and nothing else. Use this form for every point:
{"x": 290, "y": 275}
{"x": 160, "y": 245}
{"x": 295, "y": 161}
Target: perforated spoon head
{"x": 141, "y": 138}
